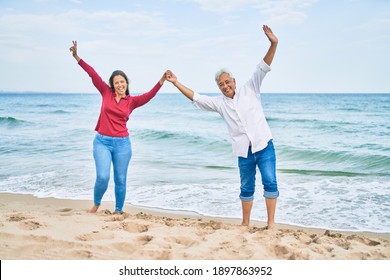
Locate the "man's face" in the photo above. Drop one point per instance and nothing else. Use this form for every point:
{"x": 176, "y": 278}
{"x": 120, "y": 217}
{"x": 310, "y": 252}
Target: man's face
{"x": 227, "y": 85}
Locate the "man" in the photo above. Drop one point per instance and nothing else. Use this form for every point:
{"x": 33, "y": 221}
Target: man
{"x": 251, "y": 136}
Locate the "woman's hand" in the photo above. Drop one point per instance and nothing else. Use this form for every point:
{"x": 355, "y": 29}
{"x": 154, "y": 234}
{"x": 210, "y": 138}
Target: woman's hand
{"x": 73, "y": 50}
{"x": 163, "y": 78}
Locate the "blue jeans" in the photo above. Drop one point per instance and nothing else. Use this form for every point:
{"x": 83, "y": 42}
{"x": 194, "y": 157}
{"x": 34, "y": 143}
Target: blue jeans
{"x": 265, "y": 160}
{"x": 117, "y": 150}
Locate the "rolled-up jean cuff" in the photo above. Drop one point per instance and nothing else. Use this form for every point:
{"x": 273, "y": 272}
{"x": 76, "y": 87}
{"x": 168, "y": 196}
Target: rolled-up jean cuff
{"x": 247, "y": 198}
{"x": 271, "y": 194}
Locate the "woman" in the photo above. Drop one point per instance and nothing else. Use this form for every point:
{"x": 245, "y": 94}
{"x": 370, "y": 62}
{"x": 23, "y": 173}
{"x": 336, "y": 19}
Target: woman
{"x": 112, "y": 142}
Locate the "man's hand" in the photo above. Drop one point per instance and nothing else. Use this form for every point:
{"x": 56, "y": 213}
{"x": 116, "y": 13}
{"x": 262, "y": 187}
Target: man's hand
{"x": 170, "y": 76}
{"x": 271, "y": 36}
{"x": 269, "y": 56}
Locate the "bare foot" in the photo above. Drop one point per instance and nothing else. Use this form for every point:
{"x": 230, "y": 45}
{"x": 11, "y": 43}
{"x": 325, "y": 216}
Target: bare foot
{"x": 94, "y": 209}
{"x": 270, "y": 227}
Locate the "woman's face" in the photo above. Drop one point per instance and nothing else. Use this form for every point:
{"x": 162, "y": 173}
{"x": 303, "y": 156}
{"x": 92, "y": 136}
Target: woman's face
{"x": 120, "y": 85}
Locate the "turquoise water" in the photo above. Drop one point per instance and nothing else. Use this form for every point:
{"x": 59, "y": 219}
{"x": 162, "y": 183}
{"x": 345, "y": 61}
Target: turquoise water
{"x": 333, "y": 155}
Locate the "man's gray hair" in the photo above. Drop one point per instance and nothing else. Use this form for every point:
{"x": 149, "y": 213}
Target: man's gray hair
{"x": 220, "y": 72}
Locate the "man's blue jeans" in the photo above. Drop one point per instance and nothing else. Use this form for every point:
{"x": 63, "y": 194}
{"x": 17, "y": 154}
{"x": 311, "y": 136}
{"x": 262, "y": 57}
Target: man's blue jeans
{"x": 265, "y": 160}
{"x": 117, "y": 150}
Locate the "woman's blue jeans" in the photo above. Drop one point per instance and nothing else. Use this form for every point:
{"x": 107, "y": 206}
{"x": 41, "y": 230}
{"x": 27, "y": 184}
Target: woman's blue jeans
{"x": 117, "y": 150}
{"x": 265, "y": 160}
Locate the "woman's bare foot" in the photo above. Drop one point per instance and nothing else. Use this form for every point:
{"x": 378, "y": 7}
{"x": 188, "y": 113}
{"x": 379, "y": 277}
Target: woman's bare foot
{"x": 94, "y": 209}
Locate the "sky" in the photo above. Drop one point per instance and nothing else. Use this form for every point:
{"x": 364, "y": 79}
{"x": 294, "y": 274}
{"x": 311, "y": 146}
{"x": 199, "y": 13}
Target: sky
{"x": 325, "y": 46}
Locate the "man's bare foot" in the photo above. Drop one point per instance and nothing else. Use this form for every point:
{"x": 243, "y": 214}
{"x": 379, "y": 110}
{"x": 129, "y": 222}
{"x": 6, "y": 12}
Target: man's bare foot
{"x": 94, "y": 209}
{"x": 270, "y": 227}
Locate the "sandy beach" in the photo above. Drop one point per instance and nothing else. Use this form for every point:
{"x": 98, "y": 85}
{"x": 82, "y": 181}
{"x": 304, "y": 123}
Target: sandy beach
{"x": 54, "y": 229}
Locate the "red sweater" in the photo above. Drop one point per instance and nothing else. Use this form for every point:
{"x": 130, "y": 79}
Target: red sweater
{"x": 114, "y": 115}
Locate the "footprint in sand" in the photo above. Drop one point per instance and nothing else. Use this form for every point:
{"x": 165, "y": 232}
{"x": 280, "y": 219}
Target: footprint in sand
{"x": 366, "y": 241}
{"x": 281, "y": 250}
{"x": 143, "y": 216}
{"x": 212, "y": 224}
{"x": 157, "y": 254}
{"x": 83, "y": 254}
{"x": 17, "y": 218}
{"x": 182, "y": 240}
{"x": 23, "y": 221}
{"x": 30, "y": 225}
{"x": 336, "y": 239}
{"x": 126, "y": 247}
{"x": 95, "y": 235}
{"x": 289, "y": 253}
{"x": 169, "y": 222}
{"x": 145, "y": 239}
{"x": 134, "y": 227}
{"x": 65, "y": 211}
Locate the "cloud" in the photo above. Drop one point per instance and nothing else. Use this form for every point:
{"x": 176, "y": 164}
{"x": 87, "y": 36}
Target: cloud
{"x": 74, "y": 21}
{"x": 106, "y": 31}
{"x": 376, "y": 24}
{"x": 47, "y": 24}
{"x": 293, "y": 11}
{"x": 287, "y": 11}
{"x": 222, "y": 6}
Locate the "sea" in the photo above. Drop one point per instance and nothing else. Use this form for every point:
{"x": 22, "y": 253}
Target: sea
{"x": 333, "y": 156}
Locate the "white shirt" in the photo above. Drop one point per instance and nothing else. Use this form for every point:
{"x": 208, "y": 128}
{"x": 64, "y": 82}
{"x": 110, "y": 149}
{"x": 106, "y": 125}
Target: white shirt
{"x": 244, "y": 115}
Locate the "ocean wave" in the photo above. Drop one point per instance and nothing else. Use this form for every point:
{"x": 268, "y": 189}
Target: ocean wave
{"x": 60, "y": 112}
{"x": 175, "y": 137}
{"x": 343, "y": 163}
{"x": 218, "y": 167}
{"x": 59, "y": 105}
{"x": 11, "y": 122}
{"x": 314, "y": 122}
{"x": 333, "y": 173}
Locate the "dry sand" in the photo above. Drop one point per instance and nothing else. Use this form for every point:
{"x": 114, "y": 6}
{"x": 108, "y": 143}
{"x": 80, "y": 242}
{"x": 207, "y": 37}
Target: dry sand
{"x": 54, "y": 229}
